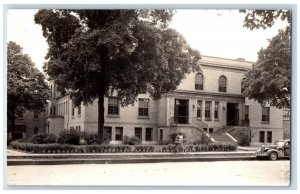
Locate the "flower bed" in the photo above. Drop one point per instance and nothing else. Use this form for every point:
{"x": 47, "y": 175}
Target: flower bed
{"x": 66, "y": 148}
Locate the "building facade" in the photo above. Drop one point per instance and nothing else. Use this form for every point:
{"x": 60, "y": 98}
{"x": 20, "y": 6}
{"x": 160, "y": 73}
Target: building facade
{"x": 28, "y": 123}
{"x": 209, "y": 101}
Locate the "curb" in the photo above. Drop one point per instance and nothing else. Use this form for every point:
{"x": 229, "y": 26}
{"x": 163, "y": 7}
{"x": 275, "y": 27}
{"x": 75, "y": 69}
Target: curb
{"x": 57, "y": 159}
{"x": 14, "y": 162}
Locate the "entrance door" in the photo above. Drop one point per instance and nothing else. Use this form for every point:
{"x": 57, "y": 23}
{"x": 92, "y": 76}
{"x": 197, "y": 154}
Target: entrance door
{"x": 181, "y": 112}
{"x": 232, "y": 114}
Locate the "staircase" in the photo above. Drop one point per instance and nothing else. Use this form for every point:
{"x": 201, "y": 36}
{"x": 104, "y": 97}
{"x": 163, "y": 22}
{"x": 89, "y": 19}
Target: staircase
{"x": 222, "y": 137}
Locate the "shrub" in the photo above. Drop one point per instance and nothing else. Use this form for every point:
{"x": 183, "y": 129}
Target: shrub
{"x": 90, "y": 138}
{"x": 131, "y": 140}
{"x": 71, "y": 136}
{"x": 242, "y": 136}
{"x": 42, "y": 138}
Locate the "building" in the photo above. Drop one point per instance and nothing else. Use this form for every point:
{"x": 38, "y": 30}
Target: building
{"x": 29, "y": 123}
{"x": 210, "y": 101}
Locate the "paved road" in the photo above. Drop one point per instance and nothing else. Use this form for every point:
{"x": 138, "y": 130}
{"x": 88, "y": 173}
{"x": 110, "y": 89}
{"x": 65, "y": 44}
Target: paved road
{"x": 225, "y": 173}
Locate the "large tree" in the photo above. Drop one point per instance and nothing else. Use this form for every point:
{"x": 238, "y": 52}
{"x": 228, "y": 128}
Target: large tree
{"x": 26, "y": 85}
{"x": 95, "y": 53}
{"x": 269, "y": 80}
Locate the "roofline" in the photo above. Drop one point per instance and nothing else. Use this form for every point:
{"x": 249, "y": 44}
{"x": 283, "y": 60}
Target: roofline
{"x": 227, "y": 58}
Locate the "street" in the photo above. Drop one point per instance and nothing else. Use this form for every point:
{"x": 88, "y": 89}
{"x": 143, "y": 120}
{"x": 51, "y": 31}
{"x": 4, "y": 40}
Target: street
{"x": 223, "y": 173}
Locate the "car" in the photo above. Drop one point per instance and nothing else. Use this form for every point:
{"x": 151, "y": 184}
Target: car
{"x": 280, "y": 149}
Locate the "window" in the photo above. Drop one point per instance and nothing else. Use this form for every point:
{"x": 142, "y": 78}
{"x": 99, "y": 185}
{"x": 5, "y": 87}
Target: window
{"x": 113, "y": 106}
{"x": 286, "y": 114}
{"x": 205, "y": 129}
{"x": 199, "y": 109}
{"x": 79, "y": 110}
{"x": 50, "y": 111}
{"x": 119, "y": 133}
{"x": 211, "y": 130}
{"x": 222, "y": 84}
{"x": 246, "y": 112}
{"x": 269, "y": 136}
{"x": 217, "y": 110}
{"x": 73, "y": 110}
{"x": 54, "y": 110}
{"x": 143, "y": 107}
{"x": 262, "y": 137}
{"x": 149, "y": 134}
{"x": 107, "y": 133}
{"x": 51, "y": 92}
{"x": 66, "y": 108}
{"x": 35, "y": 115}
{"x": 199, "y": 81}
{"x": 207, "y": 110}
{"x": 36, "y": 130}
{"x": 77, "y": 128}
{"x": 138, "y": 132}
{"x": 265, "y": 114}
{"x": 161, "y": 134}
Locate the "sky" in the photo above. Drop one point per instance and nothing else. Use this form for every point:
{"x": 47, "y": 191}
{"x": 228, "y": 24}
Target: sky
{"x": 218, "y": 33}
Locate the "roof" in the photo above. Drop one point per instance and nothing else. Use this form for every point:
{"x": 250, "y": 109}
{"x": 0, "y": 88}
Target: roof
{"x": 223, "y": 62}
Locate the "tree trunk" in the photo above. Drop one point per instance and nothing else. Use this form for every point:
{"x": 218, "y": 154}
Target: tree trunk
{"x": 101, "y": 118}
{"x": 12, "y": 122}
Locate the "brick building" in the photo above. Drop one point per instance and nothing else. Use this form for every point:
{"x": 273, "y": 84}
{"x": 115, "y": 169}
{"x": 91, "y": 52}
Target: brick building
{"x": 29, "y": 123}
{"x": 210, "y": 102}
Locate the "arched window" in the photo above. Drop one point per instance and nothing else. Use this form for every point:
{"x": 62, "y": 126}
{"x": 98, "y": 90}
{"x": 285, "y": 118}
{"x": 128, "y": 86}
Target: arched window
{"x": 199, "y": 81}
{"x": 222, "y": 83}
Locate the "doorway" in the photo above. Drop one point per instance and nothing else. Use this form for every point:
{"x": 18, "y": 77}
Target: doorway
{"x": 232, "y": 114}
{"x": 181, "y": 112}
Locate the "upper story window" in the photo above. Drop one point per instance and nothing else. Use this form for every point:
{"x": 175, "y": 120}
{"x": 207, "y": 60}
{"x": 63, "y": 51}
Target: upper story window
{"x": 199, "y": 81}
{"x": 143, "y": 107}
{"x": 265, "y": 114}
{"x": 113, "y": 106}
{"x": 35, "y": 115}
{"x": 222, "y": 84}
{"x": 286, "y": 114}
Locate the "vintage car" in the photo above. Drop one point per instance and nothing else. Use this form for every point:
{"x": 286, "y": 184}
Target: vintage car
{"x": 280, "y": 149}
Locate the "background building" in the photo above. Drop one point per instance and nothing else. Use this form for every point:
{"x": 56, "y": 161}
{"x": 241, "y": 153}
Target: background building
{"x": 29, "y": 123}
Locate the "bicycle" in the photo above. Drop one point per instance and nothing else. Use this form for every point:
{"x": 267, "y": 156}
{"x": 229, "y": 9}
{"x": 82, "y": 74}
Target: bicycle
{"x": 181, "y": 147}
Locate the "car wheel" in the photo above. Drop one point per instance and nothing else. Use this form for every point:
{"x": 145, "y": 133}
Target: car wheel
{"x": 273, "y": 156}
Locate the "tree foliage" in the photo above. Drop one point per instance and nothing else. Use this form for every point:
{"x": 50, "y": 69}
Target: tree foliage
{"x": 26, "y": 86}
{"x": 269, "y": 80}
{"x": 95, "y": 53}
{"x": 256, "y": 19}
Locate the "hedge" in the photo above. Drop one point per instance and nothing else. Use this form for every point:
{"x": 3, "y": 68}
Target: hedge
{"x": 66, "y": 148}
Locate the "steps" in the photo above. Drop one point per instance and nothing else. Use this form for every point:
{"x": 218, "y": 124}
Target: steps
{"x": 221, "y": 137}
{"x": 57, "y": 159}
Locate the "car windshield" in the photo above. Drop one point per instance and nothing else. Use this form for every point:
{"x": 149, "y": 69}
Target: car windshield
{"x": 279, "y": 143}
